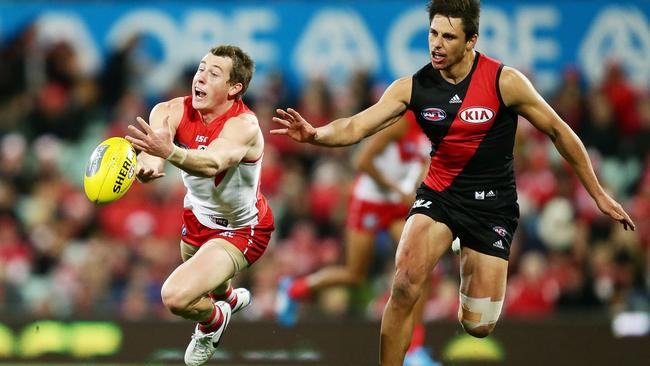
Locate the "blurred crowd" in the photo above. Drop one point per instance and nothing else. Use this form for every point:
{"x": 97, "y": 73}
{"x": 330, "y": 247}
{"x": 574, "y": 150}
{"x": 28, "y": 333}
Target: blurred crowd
{"x": 62, "y": 256}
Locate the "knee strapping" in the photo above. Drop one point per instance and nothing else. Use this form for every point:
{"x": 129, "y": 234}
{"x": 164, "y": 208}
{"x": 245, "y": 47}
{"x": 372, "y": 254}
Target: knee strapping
{"x": 478, "y": 312}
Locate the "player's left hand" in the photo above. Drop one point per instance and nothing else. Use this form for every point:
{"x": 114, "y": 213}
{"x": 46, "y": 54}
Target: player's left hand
{"x": 156, "y": 142}
{"x": 614, "y": 210}
{"x": 146, "y": 171}
{"x": 296, "y": 126}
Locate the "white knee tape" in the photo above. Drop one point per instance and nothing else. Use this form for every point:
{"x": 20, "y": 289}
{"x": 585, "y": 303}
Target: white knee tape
{"x": 488, "y": 310}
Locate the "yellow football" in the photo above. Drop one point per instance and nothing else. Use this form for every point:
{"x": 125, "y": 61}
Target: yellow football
{"x": 110, "y": 170}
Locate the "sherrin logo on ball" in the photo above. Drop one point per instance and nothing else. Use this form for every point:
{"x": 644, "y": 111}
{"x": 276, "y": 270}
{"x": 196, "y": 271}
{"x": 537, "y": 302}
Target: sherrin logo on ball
{"x": 110, "y": 170}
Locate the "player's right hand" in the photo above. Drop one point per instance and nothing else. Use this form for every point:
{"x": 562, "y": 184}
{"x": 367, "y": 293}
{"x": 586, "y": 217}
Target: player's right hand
{"x": 296, "y": 127}
{"x": 145, "y": 173}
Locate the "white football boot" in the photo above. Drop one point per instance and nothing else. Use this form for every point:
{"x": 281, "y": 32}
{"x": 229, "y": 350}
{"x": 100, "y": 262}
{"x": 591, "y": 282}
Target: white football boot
{"x": 203, "y": 345}
{"x": 455, "y": 246}
{"x": 243, "y": 299}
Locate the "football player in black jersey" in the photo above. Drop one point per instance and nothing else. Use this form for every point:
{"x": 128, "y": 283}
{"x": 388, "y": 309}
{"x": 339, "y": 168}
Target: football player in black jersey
{"x": 467, "y": 105}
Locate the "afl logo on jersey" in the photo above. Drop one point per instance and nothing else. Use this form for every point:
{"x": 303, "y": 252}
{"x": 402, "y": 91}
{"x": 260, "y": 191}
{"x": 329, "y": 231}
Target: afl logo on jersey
{"x": 433, "y": 114}
{"x": 476, "y": 114}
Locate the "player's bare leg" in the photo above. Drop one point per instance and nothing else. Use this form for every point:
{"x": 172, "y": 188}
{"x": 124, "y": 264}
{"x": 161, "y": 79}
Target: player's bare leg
{"x": 416, "y": 354}
{"x": 422, "y": 244}
{"x": 185, "y": 291}
{"x": 237, "y": 298}
{"x": 396, "y": 230}
{"x": 482, "y": 290}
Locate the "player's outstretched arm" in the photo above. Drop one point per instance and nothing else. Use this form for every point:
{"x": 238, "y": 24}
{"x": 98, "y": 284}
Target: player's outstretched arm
{"x": 519, "y": 94}
{"x": 348, "y": 130}
{"x": 235, "y": 140}
{"x": 241, "y": 138}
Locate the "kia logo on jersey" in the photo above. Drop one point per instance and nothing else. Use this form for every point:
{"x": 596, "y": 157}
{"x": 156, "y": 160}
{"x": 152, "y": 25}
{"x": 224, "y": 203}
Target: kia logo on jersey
{"x": 476, "y": 114}
{"x": 433, "y": 114}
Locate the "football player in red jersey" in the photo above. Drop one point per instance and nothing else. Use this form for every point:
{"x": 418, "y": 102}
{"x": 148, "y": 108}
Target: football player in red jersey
{"x": 216, "y": 141}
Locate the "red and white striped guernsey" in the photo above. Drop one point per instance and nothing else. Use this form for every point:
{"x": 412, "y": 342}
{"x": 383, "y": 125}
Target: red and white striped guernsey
{"x": 229, "y": 200}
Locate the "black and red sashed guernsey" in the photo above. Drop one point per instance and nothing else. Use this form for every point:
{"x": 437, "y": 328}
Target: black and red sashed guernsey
{"x": 472, "y": 136}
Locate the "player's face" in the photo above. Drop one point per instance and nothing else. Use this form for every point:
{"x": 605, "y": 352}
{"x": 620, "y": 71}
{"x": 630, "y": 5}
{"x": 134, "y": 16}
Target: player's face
{"x": 447, "y": 41}
{"x": 210, "y": 87}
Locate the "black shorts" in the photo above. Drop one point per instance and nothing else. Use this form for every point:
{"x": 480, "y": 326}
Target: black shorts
{"x": 485, "y": 225}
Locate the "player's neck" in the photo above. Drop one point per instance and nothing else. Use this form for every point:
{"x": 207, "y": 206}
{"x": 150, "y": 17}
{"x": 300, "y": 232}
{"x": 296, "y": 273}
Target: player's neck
{"x": 208, "y": 115}
{"x": 459, "y": 71}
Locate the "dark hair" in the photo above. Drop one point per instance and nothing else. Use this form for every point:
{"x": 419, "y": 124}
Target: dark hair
{"x": 243, "y": 66}
{"x": 468, "y": 10}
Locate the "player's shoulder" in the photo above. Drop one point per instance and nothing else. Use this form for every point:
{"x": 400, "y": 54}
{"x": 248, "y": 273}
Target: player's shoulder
{"x": 515, "y": 86}
{"x": 404, "y": 81}
{"x": 244, "y": 120}
{"x": 245, "y": 124}
{"x": 401, "y": 88}
{"x": 174, "y": 108}
{"x": 512, "y": 79}
{"x": 510, "y": 74}
{"x": 171, "y": 106}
